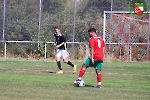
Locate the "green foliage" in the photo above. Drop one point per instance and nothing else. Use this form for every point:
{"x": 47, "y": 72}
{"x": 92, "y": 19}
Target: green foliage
{"x": 22, "y": 18}
{"x": 42, "y": 50}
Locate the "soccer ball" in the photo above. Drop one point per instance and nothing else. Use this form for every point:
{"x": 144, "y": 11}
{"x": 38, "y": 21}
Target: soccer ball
{"x": 79, "y": 84}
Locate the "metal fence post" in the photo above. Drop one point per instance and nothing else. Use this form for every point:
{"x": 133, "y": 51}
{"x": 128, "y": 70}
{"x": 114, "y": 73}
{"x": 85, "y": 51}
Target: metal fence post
{"x": 104, "y": 26}
{"x": 45, "y": 51}
{"x": 4, "y": 15}
{"x": 39, "y": 23}
{"x": 148, "y": 36}
{"x": 5, "y": 50}
{"x": 148, "y": 40}
{"x": 87, "y": 50}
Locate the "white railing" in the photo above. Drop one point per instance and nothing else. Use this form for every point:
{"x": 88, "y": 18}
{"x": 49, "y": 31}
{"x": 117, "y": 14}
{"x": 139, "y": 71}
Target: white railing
{"x": 45, "y": 46}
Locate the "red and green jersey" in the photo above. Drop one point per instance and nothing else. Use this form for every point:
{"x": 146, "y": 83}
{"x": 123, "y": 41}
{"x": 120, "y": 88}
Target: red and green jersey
{"x": 97, "y": 43}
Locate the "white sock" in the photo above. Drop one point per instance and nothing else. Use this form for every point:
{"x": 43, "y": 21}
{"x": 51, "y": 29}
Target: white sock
{"x": 99, "y": 83}
{"x": 79, "y": 78}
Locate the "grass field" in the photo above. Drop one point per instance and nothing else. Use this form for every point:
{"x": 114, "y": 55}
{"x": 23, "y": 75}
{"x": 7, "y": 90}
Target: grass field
{"x": 31, "y": 80}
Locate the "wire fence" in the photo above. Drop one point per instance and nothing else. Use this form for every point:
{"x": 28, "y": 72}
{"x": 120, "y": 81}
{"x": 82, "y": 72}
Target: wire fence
{"x": 33, "y": 21}
{"x": 127, "y": 38}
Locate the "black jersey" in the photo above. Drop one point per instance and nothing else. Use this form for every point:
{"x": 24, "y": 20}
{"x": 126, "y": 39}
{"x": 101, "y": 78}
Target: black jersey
{"x": 60, "y": 39}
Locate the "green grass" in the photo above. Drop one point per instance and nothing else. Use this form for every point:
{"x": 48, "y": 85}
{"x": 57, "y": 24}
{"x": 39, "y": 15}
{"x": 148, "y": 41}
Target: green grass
{"x": 31, "y": 80}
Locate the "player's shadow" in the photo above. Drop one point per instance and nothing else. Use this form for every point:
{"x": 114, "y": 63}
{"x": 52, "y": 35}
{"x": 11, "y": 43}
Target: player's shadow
{"x": 89, "y": 85}
{"x": 51, "y": 72}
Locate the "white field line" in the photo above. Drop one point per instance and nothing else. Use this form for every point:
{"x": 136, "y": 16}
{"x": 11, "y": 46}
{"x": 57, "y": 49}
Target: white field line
{"x": 105, "y": 73}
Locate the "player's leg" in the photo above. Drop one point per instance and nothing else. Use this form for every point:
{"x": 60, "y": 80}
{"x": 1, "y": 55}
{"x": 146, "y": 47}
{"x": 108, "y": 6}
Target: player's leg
{"x": 65, "y": 55}
{"x": 58, "y": 63}
{"x": 68, "y": 62}
{"x": 81, "y": 72}
{"x": 86, "y": 64}
{"x": 58, "y": 56}
{"x": 71, "y": 64}
{"x": 98, "y": 69}
{"x": 99, "y": 78}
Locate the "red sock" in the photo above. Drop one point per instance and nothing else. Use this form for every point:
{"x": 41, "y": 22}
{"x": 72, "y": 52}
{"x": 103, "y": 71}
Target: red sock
{"x": 81, "y": 73}
{"x": 99, "y": 79}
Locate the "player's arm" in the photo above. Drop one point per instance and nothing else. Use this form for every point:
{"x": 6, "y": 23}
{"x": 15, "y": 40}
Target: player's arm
{"x": 92, "y": 53}
{"x": 60, "y": 44}
{"x": 91, "y": 44}
{"x": 103, "y": 49}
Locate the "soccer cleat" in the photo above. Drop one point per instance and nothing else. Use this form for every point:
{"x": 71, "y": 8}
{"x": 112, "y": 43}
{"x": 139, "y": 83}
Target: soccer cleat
{"x": 60, "y": 72}
{"x": 74, "y": 68}
{"x": 98, "y": 86}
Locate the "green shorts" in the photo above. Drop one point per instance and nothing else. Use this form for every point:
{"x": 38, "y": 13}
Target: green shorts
{"x": 97, "y": 64}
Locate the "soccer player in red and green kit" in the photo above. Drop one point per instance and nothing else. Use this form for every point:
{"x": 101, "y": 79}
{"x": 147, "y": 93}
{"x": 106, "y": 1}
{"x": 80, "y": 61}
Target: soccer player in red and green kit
{"x": 96, "y": 58}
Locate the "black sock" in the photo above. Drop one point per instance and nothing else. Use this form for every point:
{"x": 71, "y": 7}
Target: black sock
{"x": 59, "y": 65}
{"x": 69, "y": 63}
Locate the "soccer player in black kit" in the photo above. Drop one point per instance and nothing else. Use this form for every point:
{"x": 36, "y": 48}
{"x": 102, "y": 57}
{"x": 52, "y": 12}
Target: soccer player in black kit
{"x": 60, "y": 41}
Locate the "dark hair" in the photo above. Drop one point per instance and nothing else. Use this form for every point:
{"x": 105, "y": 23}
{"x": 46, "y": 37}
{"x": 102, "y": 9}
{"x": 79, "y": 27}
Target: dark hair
{"x": 92, "y": 30}
{"x": 56, "y": 27}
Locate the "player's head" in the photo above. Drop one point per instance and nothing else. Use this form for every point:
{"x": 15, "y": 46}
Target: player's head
{"x": 57, "y": 29}
{"x": 91, "y": 31}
